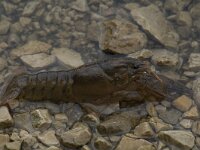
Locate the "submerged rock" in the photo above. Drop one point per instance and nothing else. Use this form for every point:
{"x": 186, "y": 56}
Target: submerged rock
{"x": 179, "y": 138}
{"x": 120, "y": 36}
{"x": 152, "y": 20}
{"x": 78, "y": 136}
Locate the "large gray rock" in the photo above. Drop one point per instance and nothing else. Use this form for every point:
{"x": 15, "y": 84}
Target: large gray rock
{"x": 32, "y": 47}
{"x": 179, "y": 138}
{"x": 49, "y": 138}
{"x": 39, "y": 60}
{"x": 131, "y": 143}
{"x": 78, "y": 136}
{"x": 120, "y": 36}
{"x": 68, "y": 57}
{"x": 152, "y": 20}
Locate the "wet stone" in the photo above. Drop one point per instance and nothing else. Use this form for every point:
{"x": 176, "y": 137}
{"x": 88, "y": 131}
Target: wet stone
{"x": 120, "y": 36}
{"x": 68, "y": 57}
{"x": 4, "y": 26}
{"x": 101, "y": 143}
{"x": 143, "y": 130}
{"x": 48, "y": 138}
{"x": 192, "y": 113}
{"x": 13, "y": 145}
{"x": 78, "y": 136}
{"x": 179, "y": 138}
{"x": 194, "y": 61}
{"x": 159, "y": 125}
{"x": 182, "y": 103}
{"x": 195, "y": 11}
{"x": 6, "y": 120}
{"x": 4, "y": 138}
{"x": 41, "y": 118}
{"x": 161, "y": 31}
{"x": 170, "y": 116}
{"x": 91, "y": 119}
{"x": 186, "y": 123}
{"x": 165, "y": 58}
{"x": 116, "y": 124}
{"x": 39, "y": 60}
{"x": 32, "y": 47}
{"x": 131, "y": 143}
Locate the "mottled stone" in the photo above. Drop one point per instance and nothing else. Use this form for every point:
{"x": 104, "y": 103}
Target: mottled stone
{"x": 48, "y": 138}
{"x": 39, "y": 60}
{"x": 161, "y": 31}
{"x": 179, "y": 138}
{"x": 194, "y": 61}
{"x": 101, "y": 143}
{"x": 186, "y": 123}
{"x": 68, "y": 57}
{"x": 166, "y": 58}
{"x": 159, "y": 125}
{"x": 4, "y": 26}
{"x": 192, "y": 113}
{"x": 120, "y": 36}
{"x": 77, "y": 136}
{"x": 41, "y": 118}
{"x": 23, "y": 121}
{"x": 182, "y": 103}
{"x": 32, "y": 47}
{"x": 16, "y": 145}
{"x": 4, "y": 138}
{"x": 143, "y": 130}
{"x": 6, "y": 120}
{"x": 170, "y": 116}
{"x": 131, "y": 143}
